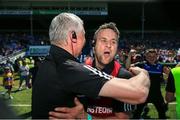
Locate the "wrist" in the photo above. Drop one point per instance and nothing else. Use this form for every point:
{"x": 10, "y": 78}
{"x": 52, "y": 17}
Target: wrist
{"x": 82, "y": 115}
{"x": 85, "y": 116}
{"x": 145, "y": 72}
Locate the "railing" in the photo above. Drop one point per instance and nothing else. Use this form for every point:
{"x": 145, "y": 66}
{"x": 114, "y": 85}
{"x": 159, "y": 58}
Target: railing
{"x": 12, "y": 57}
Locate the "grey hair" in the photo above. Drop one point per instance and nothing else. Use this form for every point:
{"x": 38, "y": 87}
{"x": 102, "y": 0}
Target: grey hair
{"x": 62, "y": 24}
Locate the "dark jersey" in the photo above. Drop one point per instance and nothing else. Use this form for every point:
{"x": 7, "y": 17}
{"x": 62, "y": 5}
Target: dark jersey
{"x": 170, "y": 83}
{"x": 105, "y": 107}
{"x": 156, "y": 77}
{"x": 60, "y": 79}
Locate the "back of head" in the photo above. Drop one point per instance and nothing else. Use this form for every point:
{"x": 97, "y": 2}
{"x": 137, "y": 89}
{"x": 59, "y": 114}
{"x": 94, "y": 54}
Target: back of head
{"x": 7, "y": 69}
{"x": 62, "y": 24}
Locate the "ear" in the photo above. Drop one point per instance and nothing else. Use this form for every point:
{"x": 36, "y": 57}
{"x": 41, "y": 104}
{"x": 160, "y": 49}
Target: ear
{"x": 73, "y": 37}
{"x": 93, "y": 50}
{"x": 93, "y": 43}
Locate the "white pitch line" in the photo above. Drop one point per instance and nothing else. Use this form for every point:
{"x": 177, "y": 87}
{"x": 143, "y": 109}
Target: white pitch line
{"x": 172, "y": 103}
{"x": 20, "y": 105}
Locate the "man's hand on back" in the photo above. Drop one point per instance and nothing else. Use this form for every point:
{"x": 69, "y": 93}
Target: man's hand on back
{"x": 68, "y": 113}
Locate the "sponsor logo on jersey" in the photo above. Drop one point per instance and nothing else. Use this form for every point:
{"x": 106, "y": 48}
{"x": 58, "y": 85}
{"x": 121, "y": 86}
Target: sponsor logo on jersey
{"x": 100, "y": 110}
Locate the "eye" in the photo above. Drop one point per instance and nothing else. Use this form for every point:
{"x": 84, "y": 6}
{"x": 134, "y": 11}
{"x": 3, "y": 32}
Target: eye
{"x": 114, "y": 42}
{"x": 103, "y": 40}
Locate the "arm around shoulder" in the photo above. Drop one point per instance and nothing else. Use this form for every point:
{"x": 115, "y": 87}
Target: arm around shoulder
{"x": 133, "y": 91}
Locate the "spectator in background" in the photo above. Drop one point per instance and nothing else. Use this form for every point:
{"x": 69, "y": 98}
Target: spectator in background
{"x": 121, "y": 57}
{"x": 170, "y": 57}
{"x": 33, "y": 70}
{"x": 24, "y": 75}
{"x": 178, "y": 57}
{"x": 156, "y": 77}
{"x": 105, "y": 44}
{"x": 8, "y": 81}
{"x": 88, "y": 60}
{"x": 61, "y": 78}
{"x": 10, "y": 65}
{"x": 31, "y": 61}
{"x": 131, "y": 58}
{"x": 20, "y": 61}
{"x": 166, "y": 70}
{"x": 172, "y": 88}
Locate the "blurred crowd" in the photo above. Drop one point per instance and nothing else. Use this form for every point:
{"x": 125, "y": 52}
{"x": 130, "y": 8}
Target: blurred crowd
{"x": 130, "y": 44}
{"x": 12, "y": 42}
{"x": 164, "y": 41}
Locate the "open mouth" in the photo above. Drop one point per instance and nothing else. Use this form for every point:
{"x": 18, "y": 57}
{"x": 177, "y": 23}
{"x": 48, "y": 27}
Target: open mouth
{"x": 107, "y": 53}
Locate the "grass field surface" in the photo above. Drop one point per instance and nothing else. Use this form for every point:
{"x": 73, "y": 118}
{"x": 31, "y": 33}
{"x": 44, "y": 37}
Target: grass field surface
{"x": 21, "y": 102}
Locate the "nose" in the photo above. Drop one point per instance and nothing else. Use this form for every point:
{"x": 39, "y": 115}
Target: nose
{"x": 108, "y": 44}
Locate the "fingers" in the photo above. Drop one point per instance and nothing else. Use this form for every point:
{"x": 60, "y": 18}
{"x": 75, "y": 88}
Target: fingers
{"x": 62, "y": 109}
{"x": 58, "y": 115}
{"x": 135, "y": 70}
{"x": 65, "y": 112}
{"x": 53, "y": 118}
{"x": 77, "y": 102}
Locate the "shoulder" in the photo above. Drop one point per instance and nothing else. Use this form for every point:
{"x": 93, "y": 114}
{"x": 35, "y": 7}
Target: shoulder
{"x": 73, "y": 65}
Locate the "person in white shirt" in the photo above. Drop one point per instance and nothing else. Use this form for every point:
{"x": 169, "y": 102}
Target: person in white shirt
{"x": 24, "y": 75}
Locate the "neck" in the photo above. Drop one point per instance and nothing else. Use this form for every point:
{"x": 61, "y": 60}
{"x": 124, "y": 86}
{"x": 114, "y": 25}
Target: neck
{"x": 66, "y": 47}
{"x": 99, "y": 66}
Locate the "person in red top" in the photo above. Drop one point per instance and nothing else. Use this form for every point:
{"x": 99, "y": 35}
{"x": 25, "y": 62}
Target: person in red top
{"x": 105, "y": 46}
